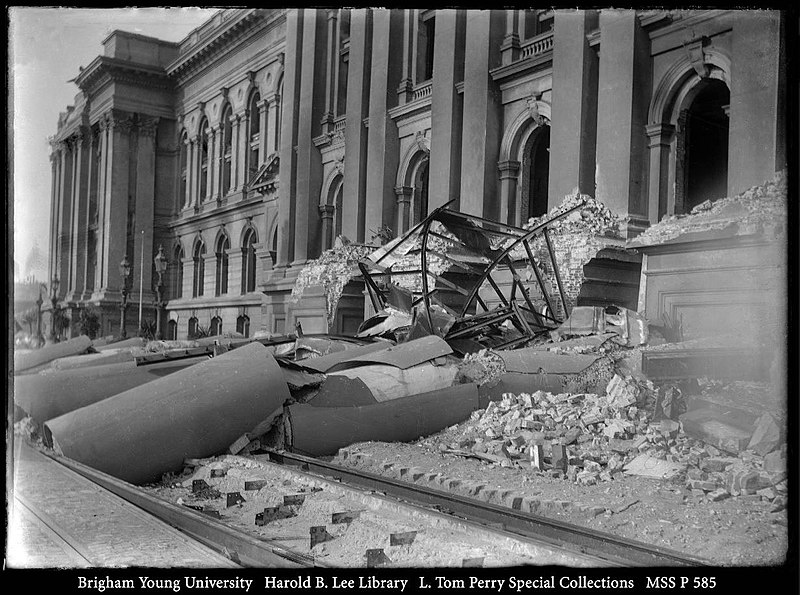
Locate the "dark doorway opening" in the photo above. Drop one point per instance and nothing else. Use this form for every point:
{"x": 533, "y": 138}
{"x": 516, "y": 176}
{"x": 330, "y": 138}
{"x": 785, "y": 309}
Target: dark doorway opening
{"x": 537, "y": 166}
{"x": 706, "y": 159}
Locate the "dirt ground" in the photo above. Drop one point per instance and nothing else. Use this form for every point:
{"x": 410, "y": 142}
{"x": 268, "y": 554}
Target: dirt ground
{"x": 736, "y": 531}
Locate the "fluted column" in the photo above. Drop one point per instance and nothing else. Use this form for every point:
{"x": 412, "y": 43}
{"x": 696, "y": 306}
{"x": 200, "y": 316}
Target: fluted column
{"x": 383, "y": 147}
{"x": 287, "y": 197}
{"x": 331, "y": 73}
{"x": 309, "y": 162}
{"x": 187, "y": 198}
{"x": 64, "y": 218}
{"x": 405, "y": 89}
{"x": 80, "y": 187}
{"x": 54, "y": 198}
{"x": 236, "y": 141}
{"x": 117, "y": 190}
{"x": 270, "y": 142}
{"x": 145, "y": 200}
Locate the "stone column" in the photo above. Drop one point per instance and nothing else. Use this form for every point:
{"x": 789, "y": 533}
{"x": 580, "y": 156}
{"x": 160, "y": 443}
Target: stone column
{"x": 236, "y": 141}
{"x": 145, "y": 202}
{"x": 756, "y": 138}
{"x": 510, "y": 48}
{"x": 621, "y": 116}
{"x": 287, "y": 197}
{"x": 115, "y": 198}
{"x": 354, "y": 197}
{"x": 309, "y": 163}
{"x": 194, "y": 173}
{"x": 89, "y": 212}
{"x": 405, "y": 90}
{"x": 210, "y": 165}
{"x": 509, "y": 174}
{"x": 383, "y": 146}
{"x": 482, "y": 113}
{"x": 326, "y": 214}
{"x": 243, "y": 148}
{"x": 404, "y": 194}
{"x": 64, "y": 219}
{"x": 234, "y": 270}
{"x": 54, "y": 198}
{"x": 262, "y": 132}
{"x": 573, "y": 132}
{"x": 660, "y": 136}
{"x": 80, "y": 209}
{"x": 214, "y": 166}
{"x": 446, "y": 108}
{"x": 331, "y": 73}
{"x": 100, "y": 277}
{"x": 270, "y": 143}
{"x": 187, "y": 199}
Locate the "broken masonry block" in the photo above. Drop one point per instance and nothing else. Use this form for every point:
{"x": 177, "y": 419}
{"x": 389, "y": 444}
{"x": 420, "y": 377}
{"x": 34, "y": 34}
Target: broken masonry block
{"x": 219, "y": 472}
{"x": 536, "y": 454}
{"x": 255, "y": 484}
{"x": 572, "y": 435}
{"x": 294, "y": 499}
{"x": 586, "y": 478}
{"x": 233, "y": 499}
{"x": 559, "y": 457}
{"x": 719, "y": 494}
{"x": 775, "y": 461}
{"x": 767, "y": 493}
{"x": 716, "y": 464}
{"x": 319, "y": 534}
{"x": 199, "y": 485}
{"x": 376, "y": 557}
{"x": 405, "y": 538}
{"x": 347, "y": 517}
{"x": 767, "y": 435}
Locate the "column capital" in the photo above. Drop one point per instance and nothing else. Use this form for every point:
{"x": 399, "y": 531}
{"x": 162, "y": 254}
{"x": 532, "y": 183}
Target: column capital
{"x": 659, "y": 134}
{"x": 403, "y": 193}
{"x": 148, "y": 126}
{"x": 508, "y": 169}
{"x": 327, "y": 211}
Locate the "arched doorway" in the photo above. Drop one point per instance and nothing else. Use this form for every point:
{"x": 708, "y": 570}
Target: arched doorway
{"x": 419, "y": 201}
{"x": 703, "y": 145}
{"x": 535, "y": 173}
{"x": 172, "y": 330}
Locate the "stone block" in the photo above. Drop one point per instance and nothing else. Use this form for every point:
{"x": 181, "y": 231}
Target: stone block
{"x": 766, "y": 437}
{"x": 719, "y": 494}
{"x": 775, "y": 461}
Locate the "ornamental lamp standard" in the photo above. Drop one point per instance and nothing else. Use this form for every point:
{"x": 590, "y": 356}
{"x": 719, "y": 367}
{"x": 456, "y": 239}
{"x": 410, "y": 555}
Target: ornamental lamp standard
{"x": 54, "y": 304}
{"x": 39, "y": 302}
{"x": 125, "y": 273}
{"x": 160, "y": 262}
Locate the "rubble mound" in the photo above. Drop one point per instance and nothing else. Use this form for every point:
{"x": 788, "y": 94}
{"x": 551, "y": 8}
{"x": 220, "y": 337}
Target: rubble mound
{"x": 332, "y": 271}
{"x": 481, "y": 367}
{"x": 755, "y": 210}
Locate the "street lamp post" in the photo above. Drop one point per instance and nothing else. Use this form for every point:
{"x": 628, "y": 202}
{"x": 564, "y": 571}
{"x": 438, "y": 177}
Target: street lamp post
{"x": 39, "y": 302}
{"x": 160, "y": 262}
{"x": 54, "y": 305}
{"x": 125, "y": 273}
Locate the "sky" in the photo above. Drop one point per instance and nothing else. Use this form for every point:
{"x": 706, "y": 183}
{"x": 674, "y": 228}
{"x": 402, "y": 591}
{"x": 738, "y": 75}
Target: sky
{"x": 47, "y": 46}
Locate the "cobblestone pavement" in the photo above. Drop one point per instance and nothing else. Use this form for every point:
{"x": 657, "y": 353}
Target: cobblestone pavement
{"x": 62, "y": 520}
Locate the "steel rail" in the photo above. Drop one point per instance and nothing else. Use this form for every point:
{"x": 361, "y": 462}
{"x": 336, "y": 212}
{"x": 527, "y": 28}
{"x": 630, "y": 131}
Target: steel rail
{"x": 616, "y": 550}
{"x": 240, "y": 547}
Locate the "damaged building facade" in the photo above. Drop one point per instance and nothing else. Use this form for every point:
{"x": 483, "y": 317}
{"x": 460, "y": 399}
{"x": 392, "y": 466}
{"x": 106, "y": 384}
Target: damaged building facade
{"x": 246, "y": 149}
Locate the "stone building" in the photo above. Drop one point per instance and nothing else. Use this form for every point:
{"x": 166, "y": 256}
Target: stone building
{"x": 247, "y": 148}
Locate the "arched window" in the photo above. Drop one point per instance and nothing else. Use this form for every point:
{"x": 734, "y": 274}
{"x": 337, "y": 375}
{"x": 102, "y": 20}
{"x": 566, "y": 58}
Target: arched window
{"x": 243, "y": 325}
{"x": 199, "y": 269}
{"x": 172, "y": 330}
{"x": 221, "y": 284}
{"x": 177, "y": 276}
{"x": 331, "y": 214}
{"x": 273, "y": 248}
{"x": 184, "y": 171}
{"x": 227, "y": 150}
{"x": 253, "y": 135}
{"x": 249, "y": 262}
{"x": 193, "y": 328}
{"x": 216, "y": 326}
{"x": 204, "y": 132}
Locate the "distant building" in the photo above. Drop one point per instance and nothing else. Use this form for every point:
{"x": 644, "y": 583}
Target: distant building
{"x": 246, "y": 148}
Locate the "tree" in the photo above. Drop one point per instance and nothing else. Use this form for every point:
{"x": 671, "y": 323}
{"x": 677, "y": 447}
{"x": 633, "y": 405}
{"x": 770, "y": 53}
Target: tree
{"x": 29, "y": 317}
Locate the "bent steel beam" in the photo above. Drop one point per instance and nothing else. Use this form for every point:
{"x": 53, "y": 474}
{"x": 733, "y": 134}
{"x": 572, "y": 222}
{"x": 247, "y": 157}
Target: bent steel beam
{"x": 198, "y": 412}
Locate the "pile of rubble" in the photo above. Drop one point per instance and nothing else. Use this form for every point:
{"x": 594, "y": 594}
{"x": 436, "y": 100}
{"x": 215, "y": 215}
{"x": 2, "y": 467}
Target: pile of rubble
{"x": 332, "y": 271}
{"x": 761, "y": 208}
{"x": 589, "y": 438}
